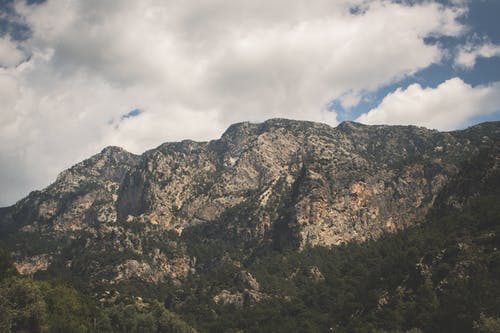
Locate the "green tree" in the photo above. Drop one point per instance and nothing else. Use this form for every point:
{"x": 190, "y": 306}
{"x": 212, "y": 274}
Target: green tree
{"x": 67, "y": 312}
{"x": 22, "y": 306}
{"x": 486, "y": 324}
{"x": 6, "y": 268}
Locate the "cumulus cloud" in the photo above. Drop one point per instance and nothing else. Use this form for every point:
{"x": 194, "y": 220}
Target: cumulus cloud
{"x": 193, "y": 68}
{"x": 467, "y": 55}
{"x": 445, "y": 107}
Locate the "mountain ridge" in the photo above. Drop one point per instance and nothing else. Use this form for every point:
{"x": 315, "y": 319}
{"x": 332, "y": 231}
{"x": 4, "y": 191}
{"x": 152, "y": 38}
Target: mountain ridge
{"x": 342, "y": 125}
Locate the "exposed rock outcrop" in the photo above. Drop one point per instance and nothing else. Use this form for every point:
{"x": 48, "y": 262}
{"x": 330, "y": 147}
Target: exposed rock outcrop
{"x": 250, "y": 295}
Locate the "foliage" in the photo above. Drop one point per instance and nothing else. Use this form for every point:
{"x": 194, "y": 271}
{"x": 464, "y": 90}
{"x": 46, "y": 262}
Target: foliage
{"x": 435, "y": 277}
{"x": 140, "y": 317}
{"x": 28, "y": 305}
{"x": 487, "y": 324}
{"x": 22, "y": 308}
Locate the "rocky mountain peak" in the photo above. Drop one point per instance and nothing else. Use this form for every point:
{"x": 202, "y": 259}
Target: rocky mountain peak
{"x": 347, "y": 126}
{"x": 248, "y": 129}
{"x": 114, "y": 153}
{"x": 110, "y": 164}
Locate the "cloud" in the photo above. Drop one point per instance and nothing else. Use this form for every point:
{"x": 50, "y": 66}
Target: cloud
{"x": 10, "y": 55}
{"x": 193, "y": 68}
{"x": 448, "y": 106}
{"x": 467, "y": 55}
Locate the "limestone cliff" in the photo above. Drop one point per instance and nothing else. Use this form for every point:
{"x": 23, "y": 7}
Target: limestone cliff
{"x": 280, "y": 184}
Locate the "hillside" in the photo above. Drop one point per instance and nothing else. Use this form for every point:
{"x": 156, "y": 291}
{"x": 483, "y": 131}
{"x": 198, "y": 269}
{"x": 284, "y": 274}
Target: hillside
{"x": 279, "y": 226}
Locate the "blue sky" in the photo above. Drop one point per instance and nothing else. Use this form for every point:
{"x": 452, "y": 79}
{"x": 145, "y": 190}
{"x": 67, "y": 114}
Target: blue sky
{"x": 482, "y": 22}
{"x": 76, "y": 76}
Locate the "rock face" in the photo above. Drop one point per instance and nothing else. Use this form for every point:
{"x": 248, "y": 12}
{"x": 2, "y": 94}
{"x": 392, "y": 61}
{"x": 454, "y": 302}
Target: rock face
{"x": 281, "y": 183}
{"x": 250, "y": 295}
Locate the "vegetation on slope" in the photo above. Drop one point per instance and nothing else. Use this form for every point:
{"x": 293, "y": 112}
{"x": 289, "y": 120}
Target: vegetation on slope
{"x": 28, "y": 305}
{"x": 441, "y": 276}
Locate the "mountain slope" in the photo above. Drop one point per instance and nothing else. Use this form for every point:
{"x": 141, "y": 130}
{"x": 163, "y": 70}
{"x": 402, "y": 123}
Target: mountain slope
{"x": 280, "y": 184}
{"x": 440, "y": 276}
{"x": 279, "y": 226}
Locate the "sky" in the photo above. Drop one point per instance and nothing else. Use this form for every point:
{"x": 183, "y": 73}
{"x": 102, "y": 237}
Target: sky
{"x": 79, "y": 75}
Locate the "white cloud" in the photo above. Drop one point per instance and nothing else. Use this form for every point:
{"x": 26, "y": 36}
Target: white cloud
{"x": 10, "y": 55}
{"x": 349, "y": 99}
{"x": 194, "y": 67}
{"x": 446, "y": 107}
{"x": 467, "y": 55}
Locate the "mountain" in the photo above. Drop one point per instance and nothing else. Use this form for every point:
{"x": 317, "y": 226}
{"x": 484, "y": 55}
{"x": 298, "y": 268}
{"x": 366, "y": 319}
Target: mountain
{"x": 202, "y": 226}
